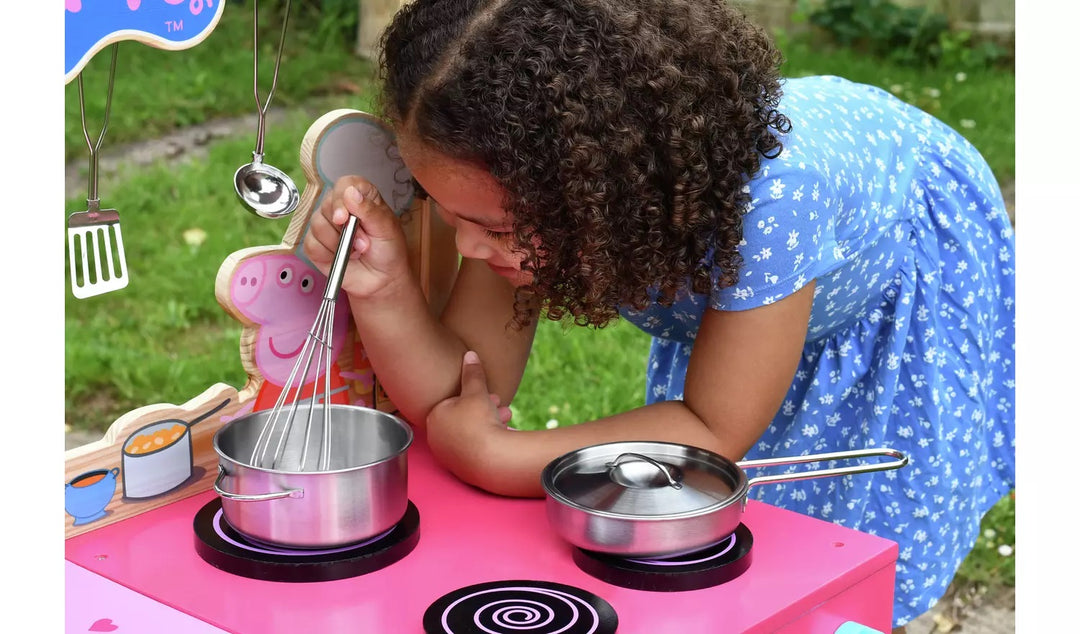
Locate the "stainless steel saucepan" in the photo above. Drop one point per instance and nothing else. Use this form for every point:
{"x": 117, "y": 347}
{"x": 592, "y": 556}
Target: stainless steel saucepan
{"x": 662, "y": 499}
{"x": 362, "y": 493}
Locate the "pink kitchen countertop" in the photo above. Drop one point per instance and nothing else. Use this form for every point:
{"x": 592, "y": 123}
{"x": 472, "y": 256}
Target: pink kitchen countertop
{"x": 466, "y": 537}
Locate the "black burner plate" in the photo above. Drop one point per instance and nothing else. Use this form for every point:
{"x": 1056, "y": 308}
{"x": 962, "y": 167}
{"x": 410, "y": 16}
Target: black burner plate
{"x": 705, "y": 568}
{"x": 520, "y": 607}
{"x": 221, "y": 546}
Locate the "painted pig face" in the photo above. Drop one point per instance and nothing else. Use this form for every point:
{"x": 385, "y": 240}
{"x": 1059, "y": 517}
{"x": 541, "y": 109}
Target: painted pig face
{"x": 283, "y": 294}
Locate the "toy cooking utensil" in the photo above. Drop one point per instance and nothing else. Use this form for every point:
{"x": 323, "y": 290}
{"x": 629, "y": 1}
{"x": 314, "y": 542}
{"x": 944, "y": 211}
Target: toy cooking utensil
{"x": 95, "y": 244}
{"x": 638, "y": 499}
{"x": 265, "y": 190}
{"x": 318, "y": 340}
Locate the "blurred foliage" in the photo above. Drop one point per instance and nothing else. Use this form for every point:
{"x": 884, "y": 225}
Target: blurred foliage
{"x": 158, "y": 91}
{"x": 908, "y": 35}
{"x": 992, "y": 562}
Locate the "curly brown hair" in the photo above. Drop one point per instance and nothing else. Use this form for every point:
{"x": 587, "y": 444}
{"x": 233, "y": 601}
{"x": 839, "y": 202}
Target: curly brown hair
{"x": 623, "y": 131}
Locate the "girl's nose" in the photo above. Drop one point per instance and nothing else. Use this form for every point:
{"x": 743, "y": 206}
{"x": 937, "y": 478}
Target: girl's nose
{"x": 472, "y": 244}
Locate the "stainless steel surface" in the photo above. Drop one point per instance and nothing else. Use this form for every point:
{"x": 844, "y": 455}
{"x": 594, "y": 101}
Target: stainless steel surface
{"x": 266, "y": 190}
{"x": 619, "y": 497}
{"x": 901, "y": 460}
{"x": 622, "y": 472}
{"x": 96, "y": 231}
{"x": 251, "y": 497}
{"x": 263, "y": 188}
{"x": 362, "y": 493}
{"x": 319, "y": 340}
{"x": 341, "y": 257}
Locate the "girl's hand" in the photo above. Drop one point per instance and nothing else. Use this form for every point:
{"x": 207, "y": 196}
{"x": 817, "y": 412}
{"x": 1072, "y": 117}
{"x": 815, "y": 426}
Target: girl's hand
{"x": 379, "y": 257}
{"x": 461, "y": 430}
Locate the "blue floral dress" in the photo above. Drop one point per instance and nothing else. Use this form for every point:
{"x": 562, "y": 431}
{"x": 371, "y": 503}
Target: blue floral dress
{"x": 910, "y": 344}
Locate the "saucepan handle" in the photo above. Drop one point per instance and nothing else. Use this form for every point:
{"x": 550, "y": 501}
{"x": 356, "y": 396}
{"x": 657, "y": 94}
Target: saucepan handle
{"x": 290, "y": 493}
{"x": 900, "y": 461}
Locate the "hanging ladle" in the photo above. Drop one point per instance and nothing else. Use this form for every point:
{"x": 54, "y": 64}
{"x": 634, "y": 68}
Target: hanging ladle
{"x": 265, "y": 190}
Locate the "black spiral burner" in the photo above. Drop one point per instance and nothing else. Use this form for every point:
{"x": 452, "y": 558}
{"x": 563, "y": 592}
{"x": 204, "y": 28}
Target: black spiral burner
{"x": 520, "y": 607}
{"x": 705, "y": 568}
{"x": 221, "y": 546}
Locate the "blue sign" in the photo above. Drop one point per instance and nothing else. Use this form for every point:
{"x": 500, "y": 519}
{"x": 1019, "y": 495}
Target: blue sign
{"x": 91, "y": 25}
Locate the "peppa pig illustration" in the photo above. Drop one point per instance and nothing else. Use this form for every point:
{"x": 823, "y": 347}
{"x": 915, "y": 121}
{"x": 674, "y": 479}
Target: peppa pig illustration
{"x": 281, "y": 293}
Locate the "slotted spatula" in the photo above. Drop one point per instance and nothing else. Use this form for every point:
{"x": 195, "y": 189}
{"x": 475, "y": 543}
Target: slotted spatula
{"x": 95, "y": 246}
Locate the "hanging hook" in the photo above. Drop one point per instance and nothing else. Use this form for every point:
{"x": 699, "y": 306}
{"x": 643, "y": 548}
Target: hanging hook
{"x": 273, "y": 85}
{"x": 92, "y": 201}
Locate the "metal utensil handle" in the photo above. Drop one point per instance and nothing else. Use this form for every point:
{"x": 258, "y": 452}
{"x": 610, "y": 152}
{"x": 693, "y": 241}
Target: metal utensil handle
{"x": 277, "y": 64}
{"x": 260, "y": 497}
{"x": 672, "y": 482}
{"x": 341, "y": 257}
{"x": 823, "y": 457}
{"x": 92, "y": 201}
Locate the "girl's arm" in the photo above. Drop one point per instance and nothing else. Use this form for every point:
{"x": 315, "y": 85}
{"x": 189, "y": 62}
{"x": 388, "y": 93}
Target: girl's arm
{"x": 742, "y": 365}
{"x": 417, "y": 357}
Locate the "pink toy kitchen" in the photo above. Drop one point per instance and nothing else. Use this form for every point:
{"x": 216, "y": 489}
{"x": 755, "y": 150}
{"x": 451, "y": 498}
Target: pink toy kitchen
{"x": 178, "y": 520}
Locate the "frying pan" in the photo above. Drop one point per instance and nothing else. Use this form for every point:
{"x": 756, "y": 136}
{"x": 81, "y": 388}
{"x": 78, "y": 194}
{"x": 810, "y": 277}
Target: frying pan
{"x": 656, "y": 499}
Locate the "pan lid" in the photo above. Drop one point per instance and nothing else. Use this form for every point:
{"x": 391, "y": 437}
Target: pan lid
{"x": 644, "y": 479}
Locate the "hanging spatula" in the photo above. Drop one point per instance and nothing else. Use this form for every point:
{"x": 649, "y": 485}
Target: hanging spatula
{"x": 95, "y": 246}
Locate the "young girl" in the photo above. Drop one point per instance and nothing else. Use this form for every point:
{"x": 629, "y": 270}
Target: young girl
{"x": 821, "y": 266}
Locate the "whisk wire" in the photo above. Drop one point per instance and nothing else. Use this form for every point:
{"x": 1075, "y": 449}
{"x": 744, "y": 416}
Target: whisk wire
{"x": 318, "y": 334}
{"x": 266, "y": 435}
{"x": 320, "y": 337}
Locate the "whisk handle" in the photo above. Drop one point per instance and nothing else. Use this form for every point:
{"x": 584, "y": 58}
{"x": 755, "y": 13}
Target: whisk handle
{"x": 341, "y": 259}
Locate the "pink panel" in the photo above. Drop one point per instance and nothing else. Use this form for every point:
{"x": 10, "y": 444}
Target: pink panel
{"x": 95, "y": 604}
{"x": 861, "y": 604}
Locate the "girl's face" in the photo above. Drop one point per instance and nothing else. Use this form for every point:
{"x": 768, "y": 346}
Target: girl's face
{"x": 469, "y": 200}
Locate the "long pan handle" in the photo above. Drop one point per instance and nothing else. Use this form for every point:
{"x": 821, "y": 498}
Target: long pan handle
{"x": 901, "y": 460}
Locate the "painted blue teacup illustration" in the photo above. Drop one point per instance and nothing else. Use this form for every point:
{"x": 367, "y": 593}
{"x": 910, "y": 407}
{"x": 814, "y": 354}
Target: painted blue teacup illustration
{"x": 87, "y": 495}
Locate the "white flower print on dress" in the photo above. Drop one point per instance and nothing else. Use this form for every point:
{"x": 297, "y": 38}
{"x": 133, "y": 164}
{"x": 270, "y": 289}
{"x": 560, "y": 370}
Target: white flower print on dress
{"x": 871, "y": 199}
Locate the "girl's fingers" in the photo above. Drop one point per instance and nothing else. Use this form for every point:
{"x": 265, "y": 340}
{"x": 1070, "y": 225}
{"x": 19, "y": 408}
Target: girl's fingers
{"x": 361, "y": 242}
{"x": 353, "y": 200}
{"x": 504, "y": 415}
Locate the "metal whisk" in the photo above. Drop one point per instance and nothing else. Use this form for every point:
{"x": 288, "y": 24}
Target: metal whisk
{"x": 319, "y": 340}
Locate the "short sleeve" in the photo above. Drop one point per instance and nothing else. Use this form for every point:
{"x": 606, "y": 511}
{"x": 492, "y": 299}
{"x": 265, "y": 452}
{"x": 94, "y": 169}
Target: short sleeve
{"x": 789, "y": 236}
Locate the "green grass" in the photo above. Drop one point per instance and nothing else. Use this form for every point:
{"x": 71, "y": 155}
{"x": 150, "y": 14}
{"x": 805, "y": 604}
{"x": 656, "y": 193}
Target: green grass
{"x": 991, "y": 563}
{"x": 581, "y": 374}
{"x": 980, "y": 104}
{"x": 165, "y": 339}
{"x": 156, "y": 91}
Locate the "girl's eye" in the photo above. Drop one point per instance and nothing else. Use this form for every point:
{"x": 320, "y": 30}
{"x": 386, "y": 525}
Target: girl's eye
{"x": 497, "y": 235}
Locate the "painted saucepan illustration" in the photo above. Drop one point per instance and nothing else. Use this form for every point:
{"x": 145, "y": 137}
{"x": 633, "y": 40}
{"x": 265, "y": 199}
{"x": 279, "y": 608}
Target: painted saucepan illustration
{"x": 663, "y": 499}
{"x": 156, "y": 458}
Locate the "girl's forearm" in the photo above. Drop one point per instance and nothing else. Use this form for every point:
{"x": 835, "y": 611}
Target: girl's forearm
{"x": 512, "y": 464}
{"x": 416, "y": 359}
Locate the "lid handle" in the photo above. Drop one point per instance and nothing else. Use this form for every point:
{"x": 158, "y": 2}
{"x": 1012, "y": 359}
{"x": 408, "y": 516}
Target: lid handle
{"x": 620, "y": 475}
